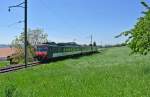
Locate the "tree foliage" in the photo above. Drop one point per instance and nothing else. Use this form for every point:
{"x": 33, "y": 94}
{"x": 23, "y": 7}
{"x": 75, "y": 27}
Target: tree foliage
{"x": 139, "y": 37}
{"x": 35, "y": 37}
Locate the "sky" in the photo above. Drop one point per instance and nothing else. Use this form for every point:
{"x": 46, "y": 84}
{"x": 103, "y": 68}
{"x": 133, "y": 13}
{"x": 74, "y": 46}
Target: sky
{"x": 71, "y": 20}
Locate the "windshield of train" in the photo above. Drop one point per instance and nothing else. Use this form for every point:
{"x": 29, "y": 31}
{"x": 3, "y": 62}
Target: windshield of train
{"x": 42, "y": 48}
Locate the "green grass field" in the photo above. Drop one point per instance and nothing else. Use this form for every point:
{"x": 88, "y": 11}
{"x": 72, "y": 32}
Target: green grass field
{"x": 112, "y": 73}
{"x": 3, "y": 63}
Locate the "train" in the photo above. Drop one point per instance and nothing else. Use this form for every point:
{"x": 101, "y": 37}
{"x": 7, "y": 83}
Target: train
{"x": 50, "y": 51}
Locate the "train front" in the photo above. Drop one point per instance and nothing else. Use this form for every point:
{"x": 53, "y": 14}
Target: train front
{"x": 42, "y": 53}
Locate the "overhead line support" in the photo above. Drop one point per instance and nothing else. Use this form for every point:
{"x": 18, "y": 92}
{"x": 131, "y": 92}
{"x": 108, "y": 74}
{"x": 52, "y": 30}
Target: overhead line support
{"x": 25, "y": 27}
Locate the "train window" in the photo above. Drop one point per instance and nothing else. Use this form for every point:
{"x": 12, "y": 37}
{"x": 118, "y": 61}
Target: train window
{"x": 50, "y": 49}
{"x": 64, "y": 49}
{"x": 68, "y": 49}
{"x": 41, "y": 48}
{"x": 56, "y": 49}
{"x": 60, "y": 49}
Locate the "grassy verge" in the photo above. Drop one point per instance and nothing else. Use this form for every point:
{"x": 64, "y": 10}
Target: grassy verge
{"x": 112, "y": 73}
{"x": 3, "y": 63}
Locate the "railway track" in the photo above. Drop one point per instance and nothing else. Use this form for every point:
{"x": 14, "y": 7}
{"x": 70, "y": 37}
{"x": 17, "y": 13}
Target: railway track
{"x": 17, "y": 67}
{"x": 22, "y": 66}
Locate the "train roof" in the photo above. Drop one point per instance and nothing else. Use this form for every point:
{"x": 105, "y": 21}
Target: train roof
{"x": 60, "y": 44}
{"x": 68, "y": 44}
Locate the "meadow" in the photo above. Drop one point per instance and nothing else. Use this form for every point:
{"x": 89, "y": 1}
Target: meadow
{"x": 4, "y": 63}
{"x": 112, "y": 73}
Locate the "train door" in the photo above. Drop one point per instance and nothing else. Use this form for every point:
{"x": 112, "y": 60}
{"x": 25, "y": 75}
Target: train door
{"x": 50, "y": 52}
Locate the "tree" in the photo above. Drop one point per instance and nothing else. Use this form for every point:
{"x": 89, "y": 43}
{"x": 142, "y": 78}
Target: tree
{"x": 35, "y": 37}
{"x": 139, "y": 37}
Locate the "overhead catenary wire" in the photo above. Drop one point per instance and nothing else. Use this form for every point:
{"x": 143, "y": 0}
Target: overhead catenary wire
{"x": 15, "y": 23}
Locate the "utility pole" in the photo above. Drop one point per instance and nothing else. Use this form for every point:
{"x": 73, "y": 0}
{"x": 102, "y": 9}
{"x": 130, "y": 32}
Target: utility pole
{"x": 25, "y": 32}
{"x": 25, "y": 27}
{"x": 91, "y": 41}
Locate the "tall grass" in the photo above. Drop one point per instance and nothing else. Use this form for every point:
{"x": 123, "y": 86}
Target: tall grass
{"x": 112, "y": 73}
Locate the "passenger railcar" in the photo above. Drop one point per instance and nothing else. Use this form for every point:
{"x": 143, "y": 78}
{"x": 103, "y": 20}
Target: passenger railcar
{"x": 47, "y": 51}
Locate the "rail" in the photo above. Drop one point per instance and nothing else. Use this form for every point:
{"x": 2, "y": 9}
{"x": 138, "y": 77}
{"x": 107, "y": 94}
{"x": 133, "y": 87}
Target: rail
{"x": 17, "y": 67}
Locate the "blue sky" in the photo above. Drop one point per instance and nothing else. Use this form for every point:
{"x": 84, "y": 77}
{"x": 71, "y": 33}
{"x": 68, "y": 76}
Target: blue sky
{"x": 66, "y": 20}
